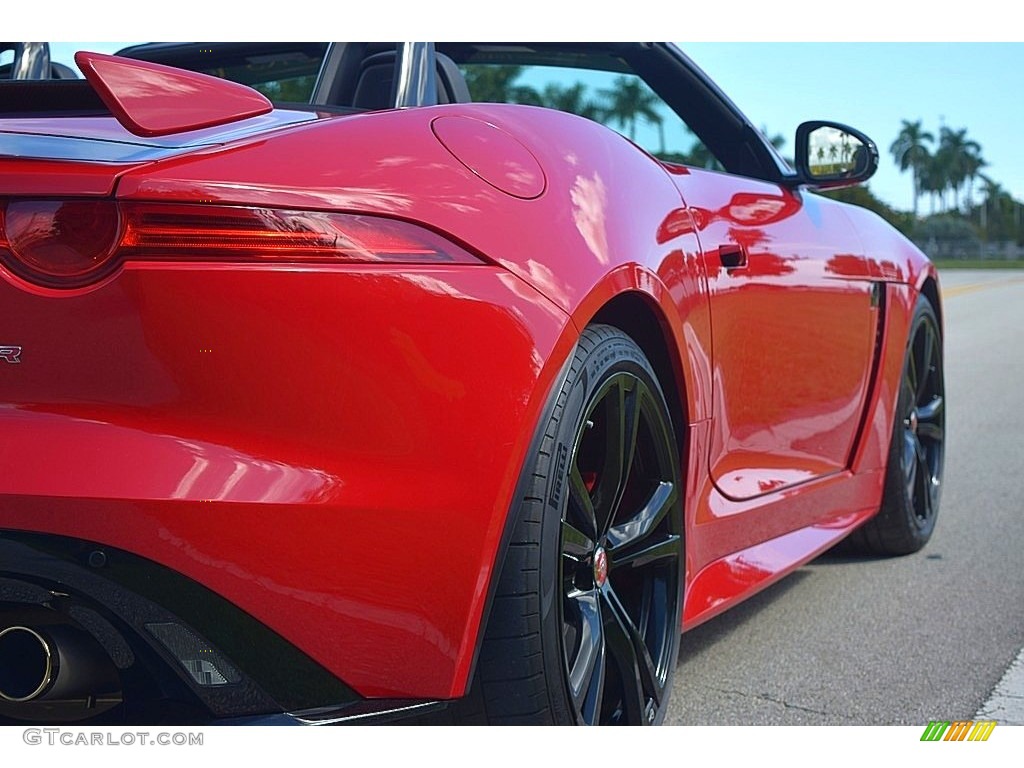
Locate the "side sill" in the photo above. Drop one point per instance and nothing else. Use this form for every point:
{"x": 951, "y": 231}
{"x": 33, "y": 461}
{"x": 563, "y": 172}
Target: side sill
{"x": 733, "y": 578}
{"x": 363, "y": 713}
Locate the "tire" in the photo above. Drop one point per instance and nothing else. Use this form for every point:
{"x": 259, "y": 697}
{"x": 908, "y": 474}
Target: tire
{"x": 584, "y": 626}
{"x": 913, "y": 480}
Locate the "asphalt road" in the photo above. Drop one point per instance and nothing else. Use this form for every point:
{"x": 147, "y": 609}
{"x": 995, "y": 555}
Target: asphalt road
{"x": 905, "y": 640}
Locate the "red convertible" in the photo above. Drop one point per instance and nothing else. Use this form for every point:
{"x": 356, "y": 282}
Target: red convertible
{"x": 356, "y": 382}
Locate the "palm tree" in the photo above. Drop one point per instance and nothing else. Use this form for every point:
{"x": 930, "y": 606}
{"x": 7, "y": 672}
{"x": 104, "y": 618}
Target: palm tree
{"x": 997, "y": 211}
{"x": 630, "y": 100}
{"x": 777, "y": 140}
{"x": 932, "y": 180}
{"x": 910, "y": 152}
{"x": 993, "y": 190}
{"x": 961, "y": 157}
{"x": 700, "y": 156}
{"x": 973, "y": 162}
{"x": 572, "y": 98}
{"x": 497, "y": 84}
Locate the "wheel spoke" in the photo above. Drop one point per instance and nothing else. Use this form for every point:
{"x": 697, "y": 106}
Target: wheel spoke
{"x": 924, "y": 477}
{"x": 931, "y": 412}
{"x": 909, "y": 395}
{"x": 590, "y": 653}
{"x": 924, "y": 372}
{"x": 628, "y": 649}
{"x": 580, "y": 505}
{"x": 930, "y": 431}
{"x": 912, "y": 374}
{"x": 645, "y": 608}
{"x": 620, "y": 649}
{"x": 925, "y": 491}
{"x": 652, "y": 513}
{"x": 622, "y": 415}
{"x": 669, "y": 546}
{"x": 593, "y": 699}
{"x": 910, "y": 462}
{"x": 575, "y": 544}
{"x": 930, "y": 421}
{"x": 656, "y": 623}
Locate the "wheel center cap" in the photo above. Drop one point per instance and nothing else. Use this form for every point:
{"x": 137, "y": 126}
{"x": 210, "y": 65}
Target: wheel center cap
{"x": 600, "y": 567}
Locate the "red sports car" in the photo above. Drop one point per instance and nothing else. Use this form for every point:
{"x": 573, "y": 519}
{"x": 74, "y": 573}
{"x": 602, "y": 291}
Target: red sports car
{"x": 372, "y": 381}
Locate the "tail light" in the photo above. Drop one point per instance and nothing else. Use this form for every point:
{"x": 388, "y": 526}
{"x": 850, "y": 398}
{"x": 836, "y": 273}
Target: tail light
{"x": 62, "y": 241}
{"x": 70, "y": 243}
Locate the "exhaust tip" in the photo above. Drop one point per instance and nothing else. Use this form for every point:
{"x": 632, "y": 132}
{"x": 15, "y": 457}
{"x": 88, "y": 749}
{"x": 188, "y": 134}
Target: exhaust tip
{"x": 26, "y": 664}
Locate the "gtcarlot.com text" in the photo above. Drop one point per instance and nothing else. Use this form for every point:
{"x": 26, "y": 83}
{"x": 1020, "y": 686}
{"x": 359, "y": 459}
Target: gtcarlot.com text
{"x": 55, "y": 737}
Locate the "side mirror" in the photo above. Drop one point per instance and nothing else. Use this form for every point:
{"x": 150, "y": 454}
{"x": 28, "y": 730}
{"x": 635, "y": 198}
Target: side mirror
{"x": 830, "y": 155}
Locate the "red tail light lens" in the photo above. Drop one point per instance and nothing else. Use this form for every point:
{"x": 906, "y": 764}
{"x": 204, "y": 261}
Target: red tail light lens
{"x": 62, "y": 239}
{"x": 71, "y": 243}
{"x": 266, "y": 235}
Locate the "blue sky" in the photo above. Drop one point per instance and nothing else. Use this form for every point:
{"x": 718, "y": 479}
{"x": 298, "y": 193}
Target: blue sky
{"x": 874, "y": 86}
{"x": 871, "y": 86}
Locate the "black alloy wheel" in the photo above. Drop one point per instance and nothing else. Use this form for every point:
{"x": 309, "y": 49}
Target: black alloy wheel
{"x": 923, "y": 412}
{"x": 621, "y": 556}
{"x": 585, "y": 619}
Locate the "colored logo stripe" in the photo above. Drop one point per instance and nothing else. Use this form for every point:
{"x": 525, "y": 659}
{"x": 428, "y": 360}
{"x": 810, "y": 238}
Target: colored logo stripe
{"x": 958, "y": 730}
{"x": 982, "y": 730}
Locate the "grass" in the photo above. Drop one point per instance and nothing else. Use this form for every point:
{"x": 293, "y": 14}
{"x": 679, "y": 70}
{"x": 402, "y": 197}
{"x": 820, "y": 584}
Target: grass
{"x": 979, "y": 263}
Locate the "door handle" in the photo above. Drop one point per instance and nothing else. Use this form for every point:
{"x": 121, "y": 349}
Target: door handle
{"x": 732, "y": 256}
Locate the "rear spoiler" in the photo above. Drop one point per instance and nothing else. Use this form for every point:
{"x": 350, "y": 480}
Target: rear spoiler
{"x": 156, "y": 100}
{"x": 147, "y": 99}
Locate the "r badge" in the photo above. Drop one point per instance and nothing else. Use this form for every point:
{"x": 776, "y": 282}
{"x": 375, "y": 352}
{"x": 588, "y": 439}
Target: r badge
{"x": 10, "y": 353}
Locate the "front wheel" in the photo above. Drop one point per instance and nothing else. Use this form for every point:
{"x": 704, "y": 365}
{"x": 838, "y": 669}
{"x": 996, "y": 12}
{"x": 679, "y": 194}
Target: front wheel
{"x": 913, "y": 481}
{"x": 585, "y": 623}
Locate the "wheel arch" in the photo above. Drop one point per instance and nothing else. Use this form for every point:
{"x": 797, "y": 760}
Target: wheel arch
{"x": 638, "y": 316}
{"x": 930, "y": 288}
{"x": 622, "y": 303}
{"x": 517, "y": 599}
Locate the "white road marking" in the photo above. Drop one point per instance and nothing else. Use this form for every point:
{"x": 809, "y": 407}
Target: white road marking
{"x": 1006, "y": 703}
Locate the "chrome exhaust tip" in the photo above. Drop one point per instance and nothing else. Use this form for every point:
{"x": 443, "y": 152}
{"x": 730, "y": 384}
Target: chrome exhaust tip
{"x": 28, "y": 664}
{"x": 53, "y": 664}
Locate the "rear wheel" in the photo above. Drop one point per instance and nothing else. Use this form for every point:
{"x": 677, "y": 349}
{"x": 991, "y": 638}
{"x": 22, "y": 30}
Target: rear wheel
{"x": 913, "y": 483}
{"x": 585, "y": 623}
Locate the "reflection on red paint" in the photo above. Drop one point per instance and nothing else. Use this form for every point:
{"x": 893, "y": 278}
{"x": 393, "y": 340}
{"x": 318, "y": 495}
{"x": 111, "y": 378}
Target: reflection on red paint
{"x": 679, "y": 222}
{"x": 790, "y": 340}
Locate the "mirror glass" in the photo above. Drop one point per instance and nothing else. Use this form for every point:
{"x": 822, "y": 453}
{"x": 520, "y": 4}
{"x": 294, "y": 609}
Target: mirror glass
{"x": 835, "y": 154}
